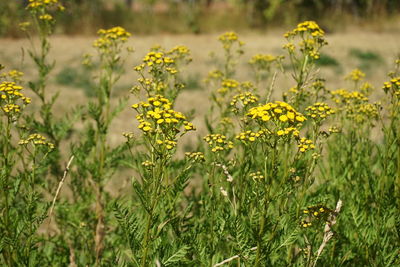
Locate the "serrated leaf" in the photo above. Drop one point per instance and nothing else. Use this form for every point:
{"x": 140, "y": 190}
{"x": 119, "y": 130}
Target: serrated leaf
{"x": 177, "y": 256}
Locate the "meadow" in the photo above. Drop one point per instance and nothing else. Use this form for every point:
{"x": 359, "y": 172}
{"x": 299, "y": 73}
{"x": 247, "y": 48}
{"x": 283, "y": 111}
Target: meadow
{"x": 280, "y": 149}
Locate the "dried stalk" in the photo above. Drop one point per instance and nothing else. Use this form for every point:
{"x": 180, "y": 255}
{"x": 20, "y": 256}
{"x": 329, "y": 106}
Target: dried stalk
{"x": 231, "y": 258}
{"x": 100, "y": 227}
{"x": 60, "y": 186}
{"x": 328, "y": 233}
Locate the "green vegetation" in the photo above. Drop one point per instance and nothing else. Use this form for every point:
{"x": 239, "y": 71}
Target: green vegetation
{"x": 296, "y": 180}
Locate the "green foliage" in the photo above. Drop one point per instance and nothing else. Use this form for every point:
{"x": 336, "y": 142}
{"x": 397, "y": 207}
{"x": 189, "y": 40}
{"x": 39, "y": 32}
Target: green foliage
{"x": 298, "y": 182}
{"x": 327, "y": 61}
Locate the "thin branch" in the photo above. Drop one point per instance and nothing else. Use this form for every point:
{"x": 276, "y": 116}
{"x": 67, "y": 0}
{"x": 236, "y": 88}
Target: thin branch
{"x": 60, "y": 186}
{"x": 328, "y": 233}
{"x": 231, "y": 258}
{"x": 271, "y": 87}
{"x": 229, "y": 177}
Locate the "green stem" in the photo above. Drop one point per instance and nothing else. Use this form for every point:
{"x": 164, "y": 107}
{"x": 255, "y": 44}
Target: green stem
{"x": 7, "y": 254}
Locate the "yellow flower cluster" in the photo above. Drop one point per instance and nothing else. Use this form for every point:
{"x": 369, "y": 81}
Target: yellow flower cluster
{"x": 345, "y": 96}
{"x": 318, "y": 84}
{"x": 213, "y": 77}
{"x": 318, "y": 212}
{"x": 362, "y": 112}
{"x": 111, "y": 38}
{"x": 244, "y": 99}
{"x": 46, "y": 17}
{"x": 218, "y": 142}
{"x": 226, "y": 121}
{"x": 305, "y": 144}
{"x": 228, "y": 36}
{"x": 366, "y": 88}
{"x": 168, "y": 144}
{"x": 333, "y": 129}
{"x": 312, "y": 39}
{"x": 180, "y": 52}
{"x": 157, "y": 115}
{"x": 37, "y": 4}
{"x": 288, "y": 131}
{"x": 263, "y": 61}
{"x": 356, "y": 105}
{"x": 148, "y": 164}
{"x": 158, "y": 62}
{"x": 36, "y": 140}
{"x": 128, "y": 135}
{"x": 278, "y": 112}
{"x": 256, "y": 175}
{"x": 355, "y": 75}
{"x": 14, "y": 75}
{"x": 319, "y": 111}
{"x": 10, "y": 94}
{"x": 195, "y": 156}
{"x": 251, "y": 136}
{"x": 228, "y": 39}
{"x": 392, "y": 87}
{"x": 305, "y": 224}
{"x": 227, "y": 86}
{"x": 310, "y": 27}
{"x": 157, "y": 58}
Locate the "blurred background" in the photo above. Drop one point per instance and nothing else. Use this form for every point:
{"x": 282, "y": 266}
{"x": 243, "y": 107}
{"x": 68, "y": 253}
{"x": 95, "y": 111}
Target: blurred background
{"x": 207, "y": 16}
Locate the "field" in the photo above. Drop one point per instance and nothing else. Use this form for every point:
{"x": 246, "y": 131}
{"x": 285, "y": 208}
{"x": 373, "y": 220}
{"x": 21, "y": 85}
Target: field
{"x": 276, "y": 149}
{"x": 375, "y": 58}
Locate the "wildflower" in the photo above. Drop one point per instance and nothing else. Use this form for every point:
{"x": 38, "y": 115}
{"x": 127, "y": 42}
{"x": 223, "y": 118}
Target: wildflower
{"x": 218, "y": 142}
{"x": 333, "y": 129}
{"x": 36, "y": 140}
{"x": 256, "y": 175}
{"x": 35, "y": 5}
{"x": 355, "y": 75}
{"x": 229, "y": 39}
{"x": 319, "y": 111}
{"x": 128, "y": 135}
{"x": 111, "y": 39}
{"x": 305, "y": 145}
{"x": 180, "y": 53}
{"x": 347, "y": 97}
{"x": 264, "y": 61}
{"x": 14, "y": 75}
{"x": 227, "y": 86}
{"x": 315, "y": 214}
{"x": 157, "y": 118}
{"x": 148, "y": 164}
{"x": 46, "y": 17}
{"x": 11, "y": 98}
{"x": 392, "y": 87}
{"x": 311, "y": 39}
{"x": 250, "y": 136}
{"x": 279, "y": 112}
{"x": 244, "y": 99}
{"x": 195, "y": 156}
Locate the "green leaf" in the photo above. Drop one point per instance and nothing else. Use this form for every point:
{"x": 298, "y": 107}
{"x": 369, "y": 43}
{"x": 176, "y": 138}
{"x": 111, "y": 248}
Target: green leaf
{"x": 177, "y": 256}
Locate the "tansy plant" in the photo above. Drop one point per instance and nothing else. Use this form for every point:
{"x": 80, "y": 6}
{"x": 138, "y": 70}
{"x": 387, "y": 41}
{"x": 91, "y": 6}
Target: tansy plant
{"x": 96, "y": 160}
{"x": 23, "y": 166}
{"x": 309, "y": 180}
